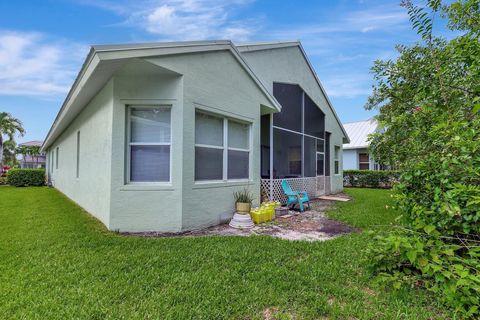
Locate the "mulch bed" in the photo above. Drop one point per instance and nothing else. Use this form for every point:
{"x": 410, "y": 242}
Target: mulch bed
{"x": 311, "y": 225}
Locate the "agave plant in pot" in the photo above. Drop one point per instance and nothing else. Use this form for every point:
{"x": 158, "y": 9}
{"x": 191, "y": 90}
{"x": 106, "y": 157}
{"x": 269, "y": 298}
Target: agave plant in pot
{"x": 243, "y": 202}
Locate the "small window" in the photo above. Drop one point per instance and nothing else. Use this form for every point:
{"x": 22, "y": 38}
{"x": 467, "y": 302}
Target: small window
{"x": 56, "y": 158}
{"x": 222, "y": 148}
{"x": 337, "y": 160}
{"x": 149, "y": 143}
{"x": 364, "y": 161}
{"x": 78, "y": 155}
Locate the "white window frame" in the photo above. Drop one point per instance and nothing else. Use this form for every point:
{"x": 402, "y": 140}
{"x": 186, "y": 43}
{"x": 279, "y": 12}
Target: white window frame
{"x": 363, "y": 162}
{"x": 336, "y": 159}
{"x": 129, "y": 144}
{"x": 56, "y": 157}
{"x": 226, "y": 148}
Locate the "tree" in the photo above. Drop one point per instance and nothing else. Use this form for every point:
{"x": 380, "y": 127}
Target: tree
{"x": 9, "y": 126}
{"x": 9, "y": 152}
{"x": 34, "y": 152}
{"x": 429, "y": 107}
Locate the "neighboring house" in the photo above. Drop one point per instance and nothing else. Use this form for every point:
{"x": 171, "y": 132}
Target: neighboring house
{"x": 33, "y": 162}
{"x": 355, "y": 154}
{"x": 158, "y": 136}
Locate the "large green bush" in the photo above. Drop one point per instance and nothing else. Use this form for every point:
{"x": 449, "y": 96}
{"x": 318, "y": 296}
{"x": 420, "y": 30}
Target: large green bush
{"x": 429, "y": 105}
{"x": 26, "y": 177}
{"x": 370, "y": 178}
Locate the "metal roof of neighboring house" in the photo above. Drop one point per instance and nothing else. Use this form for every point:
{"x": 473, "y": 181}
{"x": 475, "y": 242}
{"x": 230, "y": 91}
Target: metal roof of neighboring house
{"x": 358, "y": 133}
{"x": 32, "y": 143}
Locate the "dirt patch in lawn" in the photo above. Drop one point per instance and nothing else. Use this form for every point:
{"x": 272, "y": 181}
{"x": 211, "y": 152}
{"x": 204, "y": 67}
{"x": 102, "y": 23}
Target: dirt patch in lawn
{"x": 311, "y": 225}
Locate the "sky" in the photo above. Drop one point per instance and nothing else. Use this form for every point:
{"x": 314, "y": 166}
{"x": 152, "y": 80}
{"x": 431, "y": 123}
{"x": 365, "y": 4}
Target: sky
{"x": 43, "y": 43}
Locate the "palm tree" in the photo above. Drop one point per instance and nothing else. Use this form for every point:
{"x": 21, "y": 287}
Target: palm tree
{"x": 34, "y": 152}
{"x": 9, "y": 152}
{"x": 9, "y": 126}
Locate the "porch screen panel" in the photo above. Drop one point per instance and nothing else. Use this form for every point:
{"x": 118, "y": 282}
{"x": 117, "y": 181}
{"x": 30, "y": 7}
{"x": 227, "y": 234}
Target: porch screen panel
{"x": 314, "y": 124}
{"x": 327, "y": 153}
{"x": 290, "y": 98}
{"x": 265, "y": 146}
{"x": 309, "y": 157}
{"x": 320, "y": 164}
{"x": 287, "y": 157}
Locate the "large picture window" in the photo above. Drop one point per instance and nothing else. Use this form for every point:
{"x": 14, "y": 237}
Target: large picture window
{"x": 149, "y": 143}
{"x": 222, "y": 148}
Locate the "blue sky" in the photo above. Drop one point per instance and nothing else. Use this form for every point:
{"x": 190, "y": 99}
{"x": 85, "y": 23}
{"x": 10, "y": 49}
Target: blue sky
{"x": 43, "y": 43}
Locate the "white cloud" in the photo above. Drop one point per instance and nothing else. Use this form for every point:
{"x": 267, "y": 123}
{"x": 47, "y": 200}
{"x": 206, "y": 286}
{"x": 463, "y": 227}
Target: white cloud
{"x": 348, "y": 85}
{"x": 183, "y": 19}
{"x": 32, "y": 64}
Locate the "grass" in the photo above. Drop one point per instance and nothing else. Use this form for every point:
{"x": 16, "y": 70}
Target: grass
{"x": 57, "y": 262}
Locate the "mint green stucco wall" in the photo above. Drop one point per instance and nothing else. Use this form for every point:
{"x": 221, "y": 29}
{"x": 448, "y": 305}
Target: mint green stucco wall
{"x": 288, "y": 65}
{"x": 214, "y": 82}
{"x": 91, "y": 189}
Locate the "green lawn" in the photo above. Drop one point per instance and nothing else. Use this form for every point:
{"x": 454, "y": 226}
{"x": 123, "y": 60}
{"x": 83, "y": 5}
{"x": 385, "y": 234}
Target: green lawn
{"x": 57, "y": 262}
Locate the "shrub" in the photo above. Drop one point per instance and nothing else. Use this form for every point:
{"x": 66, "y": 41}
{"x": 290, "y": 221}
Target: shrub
{"x": 3, "y": 181}
{"x": 370, "y": 178}
{"x": 429, "y": 105}
{"x": 26, "y": 177}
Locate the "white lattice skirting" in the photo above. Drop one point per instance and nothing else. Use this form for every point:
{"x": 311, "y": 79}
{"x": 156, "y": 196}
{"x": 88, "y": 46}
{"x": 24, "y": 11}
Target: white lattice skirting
{"x": 314, "y": 186}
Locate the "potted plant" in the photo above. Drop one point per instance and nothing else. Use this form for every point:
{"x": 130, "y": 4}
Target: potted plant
{"x": 243, "y": 201}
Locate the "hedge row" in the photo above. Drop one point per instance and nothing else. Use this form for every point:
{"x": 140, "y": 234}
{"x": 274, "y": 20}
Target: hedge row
{"x": 26, "y": 177}
{"x": 370, "y": 178}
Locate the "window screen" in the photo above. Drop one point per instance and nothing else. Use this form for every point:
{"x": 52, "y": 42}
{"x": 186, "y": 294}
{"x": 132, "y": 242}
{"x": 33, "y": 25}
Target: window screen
{"x": 320, "y": 164}
{"x": 149, "y": 143}
{"x": 290, "y": 98}
{"x": 265, "y": 146}
{"x": 309, "y": 166}
{"x": 216, "y": 148}
{"x": 287, "y": 158}
{"x": 238, "y": 150}
{"x": 314, "y": 118}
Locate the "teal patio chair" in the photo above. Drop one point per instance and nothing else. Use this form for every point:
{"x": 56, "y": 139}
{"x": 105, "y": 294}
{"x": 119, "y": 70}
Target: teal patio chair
{"x": 294, "y": 197}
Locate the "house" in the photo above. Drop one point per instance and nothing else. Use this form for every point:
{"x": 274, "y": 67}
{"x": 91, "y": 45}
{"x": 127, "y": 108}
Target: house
{"x": 33, "y": 161}
{"x": 355, "y": 153}
{"x": 158, "y": 136}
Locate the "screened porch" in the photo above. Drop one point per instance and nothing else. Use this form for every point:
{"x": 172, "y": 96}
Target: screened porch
{"x": 294, "y": 145}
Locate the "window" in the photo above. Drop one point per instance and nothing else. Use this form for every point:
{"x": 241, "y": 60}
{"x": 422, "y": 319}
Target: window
{"x": 50, "y": 162}
{"x": 222, "y": 148}
{"x": 149, "y": 143}
{"x": 78, "y": 155}
{"x": 337, "y": 161}
{"x": 56, "y": 158}
{"x": 363, "y": 161}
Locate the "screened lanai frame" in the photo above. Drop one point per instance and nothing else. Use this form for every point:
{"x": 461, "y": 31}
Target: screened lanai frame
{"x": 292, "y": 125}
